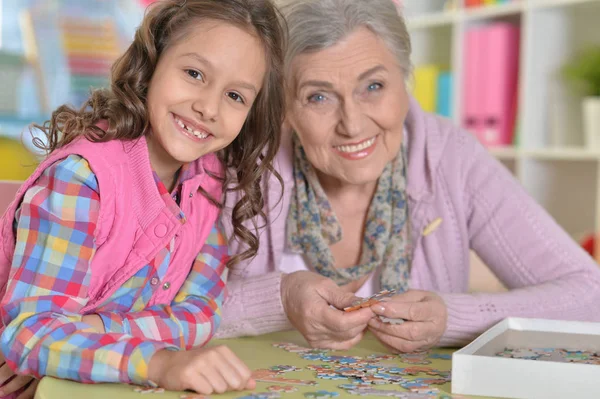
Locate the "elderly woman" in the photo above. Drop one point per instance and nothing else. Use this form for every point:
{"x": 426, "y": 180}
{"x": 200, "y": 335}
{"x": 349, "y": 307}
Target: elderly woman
{"x": 381, "y": 195}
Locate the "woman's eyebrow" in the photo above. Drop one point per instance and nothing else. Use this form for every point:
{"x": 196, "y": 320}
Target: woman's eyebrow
{"x": 371, "y": 71}
{"x": 318, "y": 83}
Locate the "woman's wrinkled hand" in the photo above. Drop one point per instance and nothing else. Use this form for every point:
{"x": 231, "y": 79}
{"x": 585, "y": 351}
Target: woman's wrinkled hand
{"x": 425, "y": 316}
{"x": 314, "y": 304}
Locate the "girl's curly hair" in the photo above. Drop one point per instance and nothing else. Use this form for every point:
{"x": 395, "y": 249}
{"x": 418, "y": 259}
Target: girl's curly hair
{"x": 248, "y": 158}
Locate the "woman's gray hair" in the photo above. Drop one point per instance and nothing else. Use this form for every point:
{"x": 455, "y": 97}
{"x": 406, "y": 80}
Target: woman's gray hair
{"x": 316, "y": 25}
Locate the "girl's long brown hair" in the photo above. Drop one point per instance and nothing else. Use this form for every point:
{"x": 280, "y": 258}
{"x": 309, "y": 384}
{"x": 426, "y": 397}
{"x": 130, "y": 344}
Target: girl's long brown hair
{"x": 248, "y": 158}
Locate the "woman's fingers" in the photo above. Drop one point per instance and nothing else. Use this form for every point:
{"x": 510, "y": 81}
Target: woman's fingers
{"x": 414, "y": 311}
{"x": 410, "y": 330}
{"x": 398, "y": 345}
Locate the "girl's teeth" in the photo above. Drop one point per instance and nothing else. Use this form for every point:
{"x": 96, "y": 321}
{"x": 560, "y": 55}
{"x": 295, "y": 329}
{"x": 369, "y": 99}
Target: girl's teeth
{"x": 194, "y": 132}
{"x": 357, "y": 147}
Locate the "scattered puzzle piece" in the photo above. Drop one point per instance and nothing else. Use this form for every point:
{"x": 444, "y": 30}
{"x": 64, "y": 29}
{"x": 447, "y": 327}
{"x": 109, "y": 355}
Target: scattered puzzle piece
{"x": 261, "y": 395}
{"x": 145, "y": 390}
{"x": 282, "y": 388}
{"x": 442, "y": 356}
{"x": 392, "y": 394}
{"x": 284, "y": 368}
{"x": 414, "y": 358}
{"x": 321, "y": 395}
{"x": 265, "y": 375}
{"x": 372, "y": 300}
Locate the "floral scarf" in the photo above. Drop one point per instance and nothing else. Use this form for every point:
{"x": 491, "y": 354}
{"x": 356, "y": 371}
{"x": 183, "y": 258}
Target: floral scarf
{"x": 312, "y": 225}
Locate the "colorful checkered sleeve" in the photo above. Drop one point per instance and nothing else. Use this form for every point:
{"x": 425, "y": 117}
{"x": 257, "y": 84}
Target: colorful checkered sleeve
{"x": 194, "y": 316}
{"x": 50, "y": 274}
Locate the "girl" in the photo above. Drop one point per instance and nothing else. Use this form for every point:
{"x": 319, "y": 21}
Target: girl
{"x": 112, "y": 264}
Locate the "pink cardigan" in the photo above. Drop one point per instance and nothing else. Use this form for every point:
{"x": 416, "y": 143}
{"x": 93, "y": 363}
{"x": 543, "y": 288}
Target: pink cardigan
{"x": 482, "y": 207}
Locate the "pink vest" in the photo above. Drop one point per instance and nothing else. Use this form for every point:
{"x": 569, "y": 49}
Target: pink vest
{"x": 134, "y": 222}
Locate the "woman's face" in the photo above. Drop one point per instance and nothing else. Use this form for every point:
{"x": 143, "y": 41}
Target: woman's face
{"x": 347, "y": 104}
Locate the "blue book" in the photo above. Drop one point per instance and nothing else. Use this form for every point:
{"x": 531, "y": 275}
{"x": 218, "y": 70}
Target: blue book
{"x": 444, "y": 97}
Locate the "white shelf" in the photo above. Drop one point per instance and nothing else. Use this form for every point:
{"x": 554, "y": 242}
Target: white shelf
{"x": 432, "y": 20}
{"x": 551, "y": 161}
{"x": 540, "y": 4}
{"x": 495, "y": 11}
{"x": 504, "y": 153}
{"x": 563, "y": 154}
{"x": 548, "y": 154}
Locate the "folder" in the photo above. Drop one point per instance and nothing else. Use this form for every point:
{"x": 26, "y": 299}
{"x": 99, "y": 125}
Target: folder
{"x": 444, "y": 97}
{"x": 425, "y": 91}
{"x": 473, "y": 80}
{"x": 501, "y": 70}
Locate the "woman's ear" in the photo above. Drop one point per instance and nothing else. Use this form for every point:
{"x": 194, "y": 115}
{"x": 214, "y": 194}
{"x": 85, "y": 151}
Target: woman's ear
{"x": 286, "y": 127}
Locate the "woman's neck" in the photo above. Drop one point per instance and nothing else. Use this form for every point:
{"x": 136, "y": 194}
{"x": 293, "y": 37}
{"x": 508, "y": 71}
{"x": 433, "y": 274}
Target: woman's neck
{"x": 359, "y": 195}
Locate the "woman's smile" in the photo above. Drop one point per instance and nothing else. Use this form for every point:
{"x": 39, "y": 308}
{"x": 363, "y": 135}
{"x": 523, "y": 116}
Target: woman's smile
{"x": 357, "y": 151}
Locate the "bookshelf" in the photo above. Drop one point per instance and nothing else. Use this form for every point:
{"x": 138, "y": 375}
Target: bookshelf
{"x": 550, "y": 160}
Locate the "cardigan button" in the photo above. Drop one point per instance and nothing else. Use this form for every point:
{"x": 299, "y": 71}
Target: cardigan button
{"x": 160, "y": 230}
{"x": 153, "y": 281}
{"x": 166, "y": 286}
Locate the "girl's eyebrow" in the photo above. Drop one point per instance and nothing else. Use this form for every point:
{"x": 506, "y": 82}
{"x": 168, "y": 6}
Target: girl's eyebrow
{"x": 198, "y": 57}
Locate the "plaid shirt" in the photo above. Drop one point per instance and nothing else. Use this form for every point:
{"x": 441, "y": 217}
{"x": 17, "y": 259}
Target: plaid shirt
{"x": 51, "y": 274}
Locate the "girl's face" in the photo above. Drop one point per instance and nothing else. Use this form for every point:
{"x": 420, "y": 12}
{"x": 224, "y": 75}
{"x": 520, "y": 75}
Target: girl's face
{"x": 201, "y": 92}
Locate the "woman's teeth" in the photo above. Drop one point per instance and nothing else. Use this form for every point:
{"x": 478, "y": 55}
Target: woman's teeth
{"x": 357, "y": 147}
{"x": 194, "y": 132}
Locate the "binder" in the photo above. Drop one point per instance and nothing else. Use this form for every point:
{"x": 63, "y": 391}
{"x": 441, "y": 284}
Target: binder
{"x": 500, "y": 81}
{"x": 425, "y": 91}
{"x": 444, "y": 97}
{"x": 473, "y": 81}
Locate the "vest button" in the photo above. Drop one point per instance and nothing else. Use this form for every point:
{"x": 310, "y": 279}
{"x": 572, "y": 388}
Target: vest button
{"x": 160, "y": 230}
{"x": 166, "y": 286}
{"x": 153, "y": 281}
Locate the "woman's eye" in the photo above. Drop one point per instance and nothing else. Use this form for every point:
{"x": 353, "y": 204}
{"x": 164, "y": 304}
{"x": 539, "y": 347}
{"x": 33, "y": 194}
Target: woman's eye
{"x": 316, "y": 98}
{"x": 236, "y": 97}
{"x": 374, "y": 87}
{"x": 194, "y": 74}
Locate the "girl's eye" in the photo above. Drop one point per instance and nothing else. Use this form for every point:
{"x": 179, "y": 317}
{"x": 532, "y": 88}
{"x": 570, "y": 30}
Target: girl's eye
{"x": 374, "y": 87}
{"x": 236, "y": 97}
{"x": 316, "y": 98}
{"x": 194, "y": 74}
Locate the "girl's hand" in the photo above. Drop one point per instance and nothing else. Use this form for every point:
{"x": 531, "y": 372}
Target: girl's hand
{"x": 25, "y": 384}
{"x": 203, "y": 370}
{"x": 425, "y": 316}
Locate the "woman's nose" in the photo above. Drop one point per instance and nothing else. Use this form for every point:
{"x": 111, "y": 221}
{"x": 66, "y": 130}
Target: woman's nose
{"x": 352, "y": 120}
